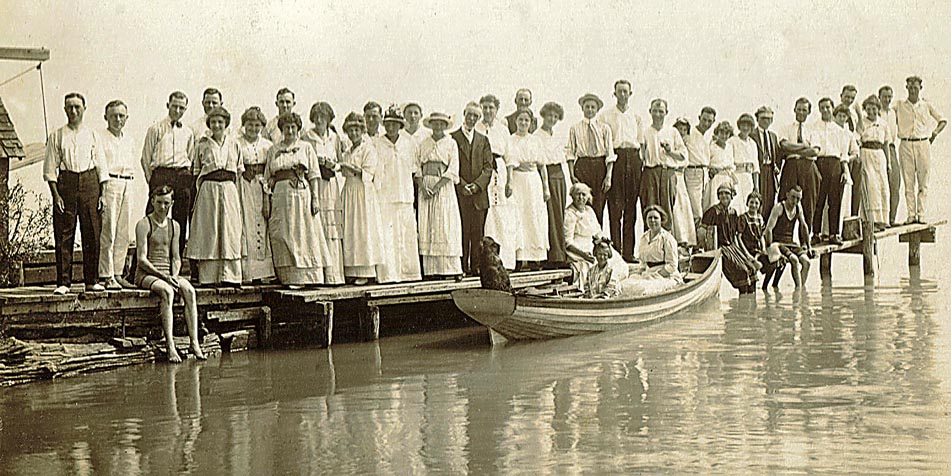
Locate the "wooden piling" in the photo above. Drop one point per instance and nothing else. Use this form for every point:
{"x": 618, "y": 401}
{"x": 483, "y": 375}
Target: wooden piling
{"x": 370, "y": 323}
{"x": 868, "y": 248}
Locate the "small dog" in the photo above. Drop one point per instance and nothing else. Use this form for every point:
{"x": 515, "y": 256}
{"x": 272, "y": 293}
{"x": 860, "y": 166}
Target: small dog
{"x": 493, "y": 274}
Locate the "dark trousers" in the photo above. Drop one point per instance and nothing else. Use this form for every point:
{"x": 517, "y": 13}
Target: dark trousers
{"x": 591, "y": 171}
{"x": 473, "y": 229}
{"x": 182, "y": 183}
{"x": 802, "y": 172}
{"x": 557, "y": 253}
{"x": 858, "y": 185}
{"x": 657, "y": 189}
{"x": 767, "y": 188}
{"x": 80, "y": 194}
{"x": 622, "y": 200}
{"x": 894, "y": 183}
{"x": 830, "y": 192}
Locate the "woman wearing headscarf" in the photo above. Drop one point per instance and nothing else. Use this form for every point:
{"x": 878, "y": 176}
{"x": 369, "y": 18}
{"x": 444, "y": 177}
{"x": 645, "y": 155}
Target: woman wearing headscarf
{"x": 329, "y": 147}
{"x": 556, "y": 164}
{"x": 215, "y": 244}
{"x": 297, "y": 234}
{"x": 251, "y": 149}
{"x": 524, "y": 157}
{"x": 440, "y": 226}
{"x": 362, "y": 229}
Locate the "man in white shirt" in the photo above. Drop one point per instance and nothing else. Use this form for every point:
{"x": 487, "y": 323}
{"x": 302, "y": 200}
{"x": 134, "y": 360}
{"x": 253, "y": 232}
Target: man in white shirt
{"x": 626, "y": 132}
{"x": 497, "y": 131}
{"x": 917, "y": 131}
{"x": 210, "y": 99}
{"x": 847, "y": 99}
{"x": 833, "y": 169}
{"x": 662, "y": 148}
{"x": 885, "y": 95}
{"x": 74, "y": 171}
{"x": 698, "y": 159}
{"x": 166, "y": 160}
{"x": 799, "y": 166}
{"x": 373, "y": 114}
{"x": 118, "y": 153}
{"x": 413, "y": 114}
{"x": 591, "y": 153}
{"x": 285, "y": 102}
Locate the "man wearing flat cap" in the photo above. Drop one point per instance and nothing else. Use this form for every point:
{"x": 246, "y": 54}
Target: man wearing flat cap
{"x": 627, "y": 133}
{"x": 591, "y": 153}
{"x": 476, "y": 165}
{"x": 919, "y": 124}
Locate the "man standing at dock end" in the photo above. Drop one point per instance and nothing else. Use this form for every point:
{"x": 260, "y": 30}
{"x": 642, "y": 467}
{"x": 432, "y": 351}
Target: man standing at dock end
{"x": 915, "y": 149}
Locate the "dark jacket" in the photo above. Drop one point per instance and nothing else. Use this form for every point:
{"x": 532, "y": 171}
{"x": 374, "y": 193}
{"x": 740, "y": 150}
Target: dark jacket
{"x": 476, "y": 165}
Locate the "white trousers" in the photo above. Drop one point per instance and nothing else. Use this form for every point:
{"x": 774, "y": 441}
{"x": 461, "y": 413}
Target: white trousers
{"x": 915, "y": 159}
{"x": 114, "y": 238}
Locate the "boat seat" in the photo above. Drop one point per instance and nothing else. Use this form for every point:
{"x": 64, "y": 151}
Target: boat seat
{"x": 692, "y": 277}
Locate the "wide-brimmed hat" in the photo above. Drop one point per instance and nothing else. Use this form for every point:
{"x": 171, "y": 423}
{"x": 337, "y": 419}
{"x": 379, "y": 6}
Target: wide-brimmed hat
{"x": 354, "y": 119}
{"x": 393, "y": 114}
{"x": 590, "y": 97}
{"x": 726, "y": 188}
{"x": 437, "y": 116}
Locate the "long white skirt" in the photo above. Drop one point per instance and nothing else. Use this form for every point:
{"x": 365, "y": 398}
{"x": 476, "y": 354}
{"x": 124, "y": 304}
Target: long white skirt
{"x": 440, "y": 230}
{"x": 875, "y": 171}
{"x": 216, "y": 237}
{"x": 744, "y": 186}
{"x": 647, "y": 284}
{"x": 362, "y": 235}
{"x": 501, "y": 219}
{"x": 683, "y": 224}
{"x": 297, "y": 237}
{"x": 328, "y": 191}
{"x": 400, "y": 243}
{"x": 256, "y": 262}
{"x": 532, "y": 215}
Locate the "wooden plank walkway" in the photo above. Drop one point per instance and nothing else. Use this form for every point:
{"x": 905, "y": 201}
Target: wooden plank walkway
{"x": 914, "y": 234}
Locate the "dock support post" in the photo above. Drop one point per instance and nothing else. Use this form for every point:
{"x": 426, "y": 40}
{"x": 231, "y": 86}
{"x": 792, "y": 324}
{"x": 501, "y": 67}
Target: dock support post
{"x": 328, "y": 323}
{"x": 868, "y": 248}
{"x": 914, "y": 250}
{"x": 370, "y": 323}
{"x": 264, "y": 328}
{"x": 825, "y": 265}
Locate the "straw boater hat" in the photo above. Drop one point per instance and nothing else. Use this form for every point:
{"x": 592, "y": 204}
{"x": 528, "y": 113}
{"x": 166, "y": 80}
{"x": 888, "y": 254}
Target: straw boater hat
{"x": 590, "y": 97}
{"x": 354, "y": 119}
{"x": 437, "y": 116}
{"x": 393, "y": 114}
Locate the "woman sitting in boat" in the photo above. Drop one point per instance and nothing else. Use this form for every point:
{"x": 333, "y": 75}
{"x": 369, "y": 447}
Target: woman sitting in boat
{"x": 581, "y": 230}
{"x": 659, "y": 260}
{"x": 158, "y": 263}
{"x": 602, "y": 280}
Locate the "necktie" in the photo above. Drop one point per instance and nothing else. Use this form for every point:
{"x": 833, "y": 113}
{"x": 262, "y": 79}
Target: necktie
{"x": 592, "y": 145}
{"x": 766, "y": 152}
{"x": 851, "y": 124}
{"x": 799, "y": 134}
{"x": 176, "y": 124}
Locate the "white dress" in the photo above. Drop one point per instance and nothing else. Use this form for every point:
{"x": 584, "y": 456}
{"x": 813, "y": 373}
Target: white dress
{"x": 440, "y": 225}
{"x": 362, "y": 227}
{"x": 297, "y": 236}
{"x": 580, "y": 230}
{"x": 256, "y": 262}
{"x": 394, "y": 180}
{"x": 721, "y": 160}
{"x": 501, "y": 219}
{"x": 216, "y": 238}
{"x": 330, "y": 149}
{"x": 528, "y": 196}
{"x": 682, "y": 219}
{"x": 655, "y": 254}
{"x": 746, "y": 161}
{"x": 875, "y": 169}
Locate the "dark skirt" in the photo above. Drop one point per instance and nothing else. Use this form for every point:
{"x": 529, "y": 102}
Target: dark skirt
{"x": 733, "y": 268}
{"x": 556, "y": 215}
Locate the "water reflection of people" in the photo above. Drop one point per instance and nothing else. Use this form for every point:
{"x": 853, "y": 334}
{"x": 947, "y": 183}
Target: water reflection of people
{"x": 188, "y": 416}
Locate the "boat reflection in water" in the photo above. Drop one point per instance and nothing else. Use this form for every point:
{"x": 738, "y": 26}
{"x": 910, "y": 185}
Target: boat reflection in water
{"x": 838, "y": 380}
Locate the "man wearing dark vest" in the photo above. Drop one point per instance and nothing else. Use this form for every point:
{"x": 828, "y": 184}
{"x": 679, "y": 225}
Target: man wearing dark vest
{"x": 767, "y": 147}
{"x": 476, "y": 164}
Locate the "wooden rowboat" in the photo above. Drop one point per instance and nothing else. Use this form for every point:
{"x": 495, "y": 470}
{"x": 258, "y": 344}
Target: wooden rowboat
{"x": 533, "y": 315}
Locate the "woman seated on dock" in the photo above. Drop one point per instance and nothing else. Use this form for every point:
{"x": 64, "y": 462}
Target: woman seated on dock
{"x": 739, "y": 267}
{"x": 659, "y": 260}
{"x": 581, "y": 230}
{"x": 158, "y": 264}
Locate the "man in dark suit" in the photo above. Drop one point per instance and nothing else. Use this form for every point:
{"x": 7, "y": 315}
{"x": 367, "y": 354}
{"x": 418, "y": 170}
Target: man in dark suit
{"x": 476, "y": 165}
{"x": 523, "y": 100}
{"x": 767, "y": 145}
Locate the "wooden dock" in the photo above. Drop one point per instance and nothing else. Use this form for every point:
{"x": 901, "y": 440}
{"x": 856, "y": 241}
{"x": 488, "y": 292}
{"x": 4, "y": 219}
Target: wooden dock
{"x": 867, "y": 245}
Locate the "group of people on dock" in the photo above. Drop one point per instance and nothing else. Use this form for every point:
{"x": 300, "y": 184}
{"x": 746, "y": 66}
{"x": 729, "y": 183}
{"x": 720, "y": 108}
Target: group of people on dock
{"x": 398, "y": 195}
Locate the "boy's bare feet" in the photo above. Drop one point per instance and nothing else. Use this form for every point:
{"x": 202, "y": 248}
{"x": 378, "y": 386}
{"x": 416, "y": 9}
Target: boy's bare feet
{"x": 196, "y": 350}
{"x": 173, "y": 356}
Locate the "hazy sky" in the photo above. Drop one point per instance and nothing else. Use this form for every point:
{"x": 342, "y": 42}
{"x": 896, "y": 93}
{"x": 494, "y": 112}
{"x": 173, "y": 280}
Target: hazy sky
{"x": 443, "y": 54}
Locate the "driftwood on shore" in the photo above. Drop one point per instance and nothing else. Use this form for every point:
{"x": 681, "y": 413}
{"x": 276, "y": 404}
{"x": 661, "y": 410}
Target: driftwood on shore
{"x": 26, "y": 361}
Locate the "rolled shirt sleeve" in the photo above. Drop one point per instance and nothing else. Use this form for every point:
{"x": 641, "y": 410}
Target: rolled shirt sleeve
{"x": 53, "y": 158}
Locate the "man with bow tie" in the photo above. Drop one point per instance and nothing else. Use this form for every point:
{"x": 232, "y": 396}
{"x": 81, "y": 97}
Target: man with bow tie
{"x": 166, "y": 159}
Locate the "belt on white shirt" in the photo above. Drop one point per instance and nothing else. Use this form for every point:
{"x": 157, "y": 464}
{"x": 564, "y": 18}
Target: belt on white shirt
{"x": 120, "y": 176}
{"x": 915, "y": 139}
{"x": 744, "y": 167}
